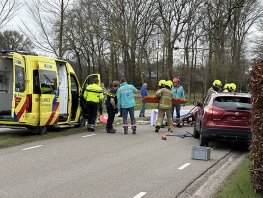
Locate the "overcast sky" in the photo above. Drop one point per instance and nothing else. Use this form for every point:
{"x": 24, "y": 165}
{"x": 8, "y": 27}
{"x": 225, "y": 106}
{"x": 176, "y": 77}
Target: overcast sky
{"x": 22, "y": 14}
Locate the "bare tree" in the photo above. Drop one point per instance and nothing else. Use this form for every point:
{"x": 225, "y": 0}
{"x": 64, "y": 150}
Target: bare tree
{"x": 8, "y": 9}
{"x": 48, "y": 17}
{"x": 258, "y": 41}
{"x": 10, "y": 39}
{"x": 174, "y": 16}
{"x": 240, "y": 25}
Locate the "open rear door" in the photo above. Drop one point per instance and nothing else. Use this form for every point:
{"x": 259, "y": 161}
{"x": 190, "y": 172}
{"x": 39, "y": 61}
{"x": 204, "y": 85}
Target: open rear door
{"x": 19, "y": 89}
{"x": 49, "y": 98}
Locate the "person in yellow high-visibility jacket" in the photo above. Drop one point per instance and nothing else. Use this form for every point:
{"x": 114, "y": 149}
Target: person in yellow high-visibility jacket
{"x": 93, "y": 95}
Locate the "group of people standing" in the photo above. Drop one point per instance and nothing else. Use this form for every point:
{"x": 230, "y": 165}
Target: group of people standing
{"x": 120, "y": 96}
{"x": 217, "y": 87}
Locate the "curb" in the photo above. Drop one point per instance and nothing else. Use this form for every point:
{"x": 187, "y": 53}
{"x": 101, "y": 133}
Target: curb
{"x": 209, "y": 182}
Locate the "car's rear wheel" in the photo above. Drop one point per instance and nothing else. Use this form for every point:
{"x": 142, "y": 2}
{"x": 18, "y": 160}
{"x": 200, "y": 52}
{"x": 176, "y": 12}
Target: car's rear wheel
{"x": 204, "y": 141}
{"x": 196, "y": 133}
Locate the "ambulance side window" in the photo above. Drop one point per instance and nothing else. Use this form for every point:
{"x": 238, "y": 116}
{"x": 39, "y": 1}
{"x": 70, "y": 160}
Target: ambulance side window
{"x": 36, "y": 87}
{"x": 20, "y": 79}
{"x": 74, "y": 85}
{"x": 48, "y": 82}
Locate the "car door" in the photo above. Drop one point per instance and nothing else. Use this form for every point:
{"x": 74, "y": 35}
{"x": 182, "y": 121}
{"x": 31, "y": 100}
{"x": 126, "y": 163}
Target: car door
{"x": 201, "y": 111}
{"x": 49, "y": 97}
{"x": 19, "y": 89}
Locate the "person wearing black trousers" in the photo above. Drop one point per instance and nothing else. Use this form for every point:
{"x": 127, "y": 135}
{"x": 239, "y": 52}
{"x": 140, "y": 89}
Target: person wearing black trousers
{"x": 111, "y": 106}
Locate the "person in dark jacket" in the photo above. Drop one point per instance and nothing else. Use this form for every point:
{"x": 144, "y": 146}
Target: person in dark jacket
{"x": 143, "y": 93}
{"x": 111, "y": 106}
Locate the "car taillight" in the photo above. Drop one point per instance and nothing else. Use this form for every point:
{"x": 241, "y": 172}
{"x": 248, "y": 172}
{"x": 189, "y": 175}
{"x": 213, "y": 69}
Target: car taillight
{"x": 209, "y": 110}
{"x": 214, "y": 112}
{"x": 29, "y": 103}
{"x": 217, "y": 112}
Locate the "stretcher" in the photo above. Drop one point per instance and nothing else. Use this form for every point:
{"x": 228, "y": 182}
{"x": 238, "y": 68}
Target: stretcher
{"x": 155, "y": 99}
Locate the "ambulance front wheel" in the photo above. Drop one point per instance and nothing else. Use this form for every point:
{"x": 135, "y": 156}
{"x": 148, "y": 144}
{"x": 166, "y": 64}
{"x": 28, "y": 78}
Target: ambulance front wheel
{"x": 81, "y": 121}
{"x": 40, "y": 130}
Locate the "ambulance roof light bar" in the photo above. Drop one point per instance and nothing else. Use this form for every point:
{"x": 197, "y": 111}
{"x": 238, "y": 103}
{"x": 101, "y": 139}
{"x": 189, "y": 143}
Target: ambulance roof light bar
{"x": 17, "y": 51}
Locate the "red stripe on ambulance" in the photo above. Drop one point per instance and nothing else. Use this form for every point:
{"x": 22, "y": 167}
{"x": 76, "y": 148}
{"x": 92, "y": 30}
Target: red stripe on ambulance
{"x": 53, "y": 113}
{"x": 22, "y": 110}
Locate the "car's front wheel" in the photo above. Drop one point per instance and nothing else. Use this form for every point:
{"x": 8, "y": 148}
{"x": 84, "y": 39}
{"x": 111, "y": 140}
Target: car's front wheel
{"x": 204, "y": 141}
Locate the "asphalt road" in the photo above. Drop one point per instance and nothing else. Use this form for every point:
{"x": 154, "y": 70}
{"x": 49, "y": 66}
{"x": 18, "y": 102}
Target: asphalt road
{"x": 101, "y": 165}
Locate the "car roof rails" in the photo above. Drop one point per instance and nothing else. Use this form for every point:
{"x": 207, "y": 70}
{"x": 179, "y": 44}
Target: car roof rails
{"x": 17, "y": 51}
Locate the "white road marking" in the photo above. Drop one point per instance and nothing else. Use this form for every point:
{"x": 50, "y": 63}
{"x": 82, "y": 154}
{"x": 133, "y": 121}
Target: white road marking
{"x": 141, "y": 194}
{"x": 88, "y": 135}
{"x": 31, "y": 147}
{"x": 184, "y": 166}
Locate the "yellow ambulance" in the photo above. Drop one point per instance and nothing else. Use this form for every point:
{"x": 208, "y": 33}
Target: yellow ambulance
{"x": 37, "y": 92}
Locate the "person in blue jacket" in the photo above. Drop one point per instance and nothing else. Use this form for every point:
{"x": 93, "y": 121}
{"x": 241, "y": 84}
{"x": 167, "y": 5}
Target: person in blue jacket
{"x": 126, "y": 103}
{"x": 178, "y": 92}
{"x": 143, "y": 93}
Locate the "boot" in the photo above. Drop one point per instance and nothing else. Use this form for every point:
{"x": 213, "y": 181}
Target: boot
{"x": 91, "y": 128}
{"x": 111, "y": 130}
{"x": 134, "y": 130}
{"x": 125, "y": 129}
{"x": 157, "y": 128}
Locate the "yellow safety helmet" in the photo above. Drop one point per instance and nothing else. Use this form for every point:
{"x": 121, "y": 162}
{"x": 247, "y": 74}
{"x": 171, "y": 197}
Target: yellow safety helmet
{"x": 226, "y": 86}
{"x": 233, "y": 86}
{"x": 161, "y": 82}
{"x": 217, "y": 83}
{"x": 169, "y": 83}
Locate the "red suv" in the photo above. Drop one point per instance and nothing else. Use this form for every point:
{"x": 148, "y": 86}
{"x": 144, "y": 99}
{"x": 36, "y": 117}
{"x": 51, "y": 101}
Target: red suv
{"x": 223, "y": 116}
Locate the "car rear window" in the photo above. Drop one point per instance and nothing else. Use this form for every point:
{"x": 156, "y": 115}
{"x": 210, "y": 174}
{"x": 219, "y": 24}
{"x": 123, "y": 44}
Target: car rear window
{"x": 233, "y": 102}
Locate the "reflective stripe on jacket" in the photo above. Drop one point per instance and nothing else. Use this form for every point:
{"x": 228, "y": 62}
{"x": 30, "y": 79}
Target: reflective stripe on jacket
{"x": 165, "y": 96}
{"x": 93, "y": 93}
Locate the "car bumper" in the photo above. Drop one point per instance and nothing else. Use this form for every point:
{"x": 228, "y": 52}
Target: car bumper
{"x": 228, "y": 134}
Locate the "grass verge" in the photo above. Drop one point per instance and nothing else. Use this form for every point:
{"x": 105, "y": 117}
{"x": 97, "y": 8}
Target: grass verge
{"x": 238, "y": 185}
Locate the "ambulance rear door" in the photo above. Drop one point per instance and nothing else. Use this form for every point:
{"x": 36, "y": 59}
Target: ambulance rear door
{"x": 89, "y": 80}
{"x": 19, "y": 89}
{"x": 49, "y": 94}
